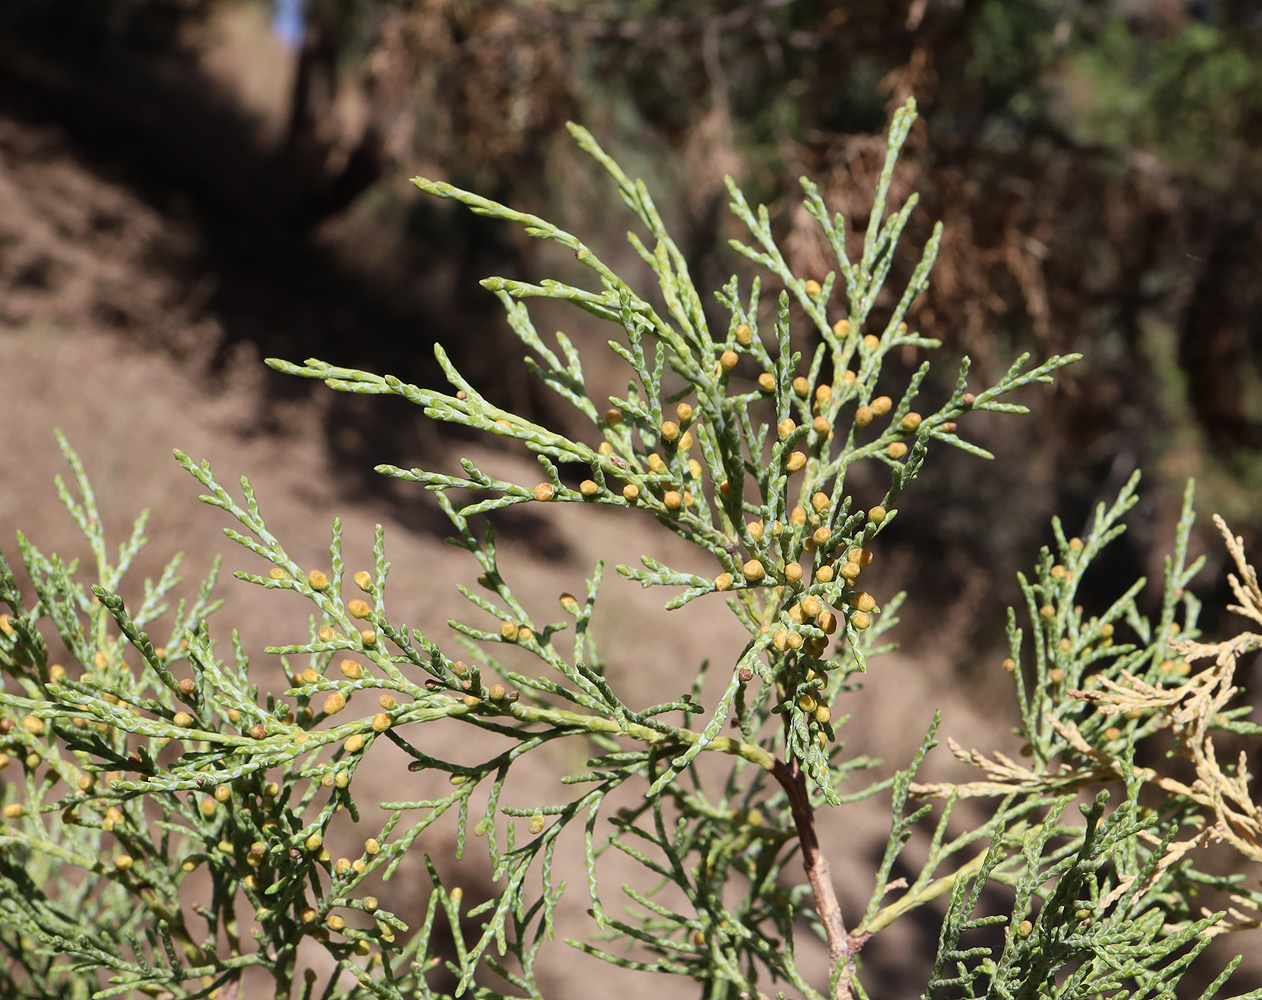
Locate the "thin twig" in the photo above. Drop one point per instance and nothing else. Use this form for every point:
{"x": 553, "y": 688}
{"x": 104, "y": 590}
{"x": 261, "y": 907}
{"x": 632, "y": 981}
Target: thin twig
{"x": 842, "y": 946}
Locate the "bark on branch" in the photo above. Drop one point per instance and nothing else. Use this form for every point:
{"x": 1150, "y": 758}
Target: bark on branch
{"x": 842, "y": 945}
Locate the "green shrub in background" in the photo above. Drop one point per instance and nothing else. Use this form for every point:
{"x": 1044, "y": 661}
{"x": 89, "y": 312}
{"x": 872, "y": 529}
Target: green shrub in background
{"x": 152, "y": 755}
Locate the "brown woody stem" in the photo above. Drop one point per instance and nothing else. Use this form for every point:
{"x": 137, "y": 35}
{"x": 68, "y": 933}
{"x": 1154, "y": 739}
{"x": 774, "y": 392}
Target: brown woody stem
{"x": 842, "y": 946}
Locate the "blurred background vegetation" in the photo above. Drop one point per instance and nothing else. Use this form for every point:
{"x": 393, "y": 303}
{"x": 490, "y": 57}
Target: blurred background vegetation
{"x": 1097, "y": 163}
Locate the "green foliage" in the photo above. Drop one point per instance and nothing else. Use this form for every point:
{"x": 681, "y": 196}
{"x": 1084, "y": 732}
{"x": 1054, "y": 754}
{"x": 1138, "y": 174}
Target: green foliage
{"x": 1188, "y": 97}
{"x": 141, "y": 764}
